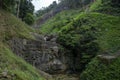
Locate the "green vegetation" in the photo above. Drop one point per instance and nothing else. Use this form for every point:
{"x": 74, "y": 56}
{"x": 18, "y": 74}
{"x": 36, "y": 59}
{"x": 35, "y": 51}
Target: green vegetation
{"x": 15, "y": 67}
{"x": 108, "y": 7}
{"x": 20, "y": 8}
{"x": 58, "y": 21}
{"x": 98, "y": 70}
{"x": 88, "y": 34}
{"x": 105, "y": 29}
{"x": 11, "y": 66}
{"x": 7, "y": 4}
{"x": 29, "y": 19}
{"x": 95, "y": 5}
{"x": 10, "y": 27}
{"x": 82, "y": 34}
{"x": 25, "y": 11}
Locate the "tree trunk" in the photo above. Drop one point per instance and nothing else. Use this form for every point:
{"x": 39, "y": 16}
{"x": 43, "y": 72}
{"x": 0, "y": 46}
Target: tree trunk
{"x": 18, "y": 8}
{"x": 1, "y": 4}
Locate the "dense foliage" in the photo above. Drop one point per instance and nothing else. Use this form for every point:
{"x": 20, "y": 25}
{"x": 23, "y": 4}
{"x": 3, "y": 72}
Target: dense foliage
{"x": 26, "y": 7}
{"x": 80, "y": 39}
{"x": 14, "y": 67}
{"x": 109, "y": 7}
{"x": 75, "y": 3}
{"x": 61, "y": 19}
{"x": 85, "y": 34}
{"x": 25, "y": 11}
{"x": 21, "y": 8}
{"x": 82, "y": 34}
{"x": 98, "y": 70}
{"x": 29, "y": 19}
{"x": 7, "y": 4}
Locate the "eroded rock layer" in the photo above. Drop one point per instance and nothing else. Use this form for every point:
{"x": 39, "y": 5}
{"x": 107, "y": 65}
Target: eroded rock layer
{"x": 42, "y": 53}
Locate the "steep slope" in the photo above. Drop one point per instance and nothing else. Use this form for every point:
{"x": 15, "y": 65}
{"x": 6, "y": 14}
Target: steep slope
{"x": 104, "y": 27}
{"x": 107, "y": 7}
{"x": 87, "y": 34}
{"x": 11, "y": 66}
{"x": 106, "y": 66}
{"x": 10, "y": 27}
{"x": 58, "y": 21}
{"x": 102, "y": 69}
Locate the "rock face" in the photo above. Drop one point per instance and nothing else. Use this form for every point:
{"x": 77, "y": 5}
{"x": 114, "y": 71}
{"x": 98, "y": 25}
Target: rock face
{"x": 107, "y": 58}
{"x": 17, "y": 45}
{"x": 42, "y": 53}
{"x": 45, "y": 54}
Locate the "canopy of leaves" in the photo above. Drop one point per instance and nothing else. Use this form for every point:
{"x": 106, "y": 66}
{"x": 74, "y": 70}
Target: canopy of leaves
{"x": 7, "y": 4}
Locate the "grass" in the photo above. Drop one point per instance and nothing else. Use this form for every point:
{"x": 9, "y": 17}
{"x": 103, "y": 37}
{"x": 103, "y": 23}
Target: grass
{"x": 15, "y": 67}
{"x": 97, "y": 70}
{"x": 106, "y": 7}
{"x": 104, "y": 19}
{"x": 108, "y": 26}
{"x": 107, "y": 29}
{"x": 95, "y": 5}
{"x": 10, "y": 27}
{"x": 58, "y": 21}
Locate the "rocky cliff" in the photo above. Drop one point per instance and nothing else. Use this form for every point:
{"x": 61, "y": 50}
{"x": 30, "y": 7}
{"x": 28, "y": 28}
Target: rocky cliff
{"x": 42, "y": 53}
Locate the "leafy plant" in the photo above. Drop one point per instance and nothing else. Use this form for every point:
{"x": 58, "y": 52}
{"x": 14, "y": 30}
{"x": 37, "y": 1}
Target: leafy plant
{"x": 29, "y": 19}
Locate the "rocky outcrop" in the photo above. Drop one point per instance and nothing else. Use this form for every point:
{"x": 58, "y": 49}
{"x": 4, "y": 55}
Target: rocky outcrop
{"x": 45, "y": 54}
{"x": 107, "y": 58}
{"x": 42, "y": 53}
{"x": 18, "y": 46}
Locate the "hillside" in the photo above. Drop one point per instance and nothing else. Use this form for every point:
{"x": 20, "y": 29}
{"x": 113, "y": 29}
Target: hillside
{"x": 58, "y": 21}
{"x": 79, "y": 43}
{"x": 95, "y": 31}
{"x": 103, "y": 27}
{"x": 74, "y": 22}
{"x": 11, "y": 66}
{"x": 110, "y": 7}
{"x": 102, "y": 69}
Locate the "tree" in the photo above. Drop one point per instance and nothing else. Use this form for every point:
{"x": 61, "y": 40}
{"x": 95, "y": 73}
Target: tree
{"x": 7, "y": 4}
{"x": 25, "y": 10}
{"x": 29, "y": 19}
{"x": 18, "y": 8}
{"x": 25, "y": 7}
{"x": 75, "y": 3}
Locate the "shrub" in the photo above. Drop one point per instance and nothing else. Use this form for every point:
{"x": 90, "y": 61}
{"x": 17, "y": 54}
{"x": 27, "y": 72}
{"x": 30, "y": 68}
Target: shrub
{"x": 29, "y": 19}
